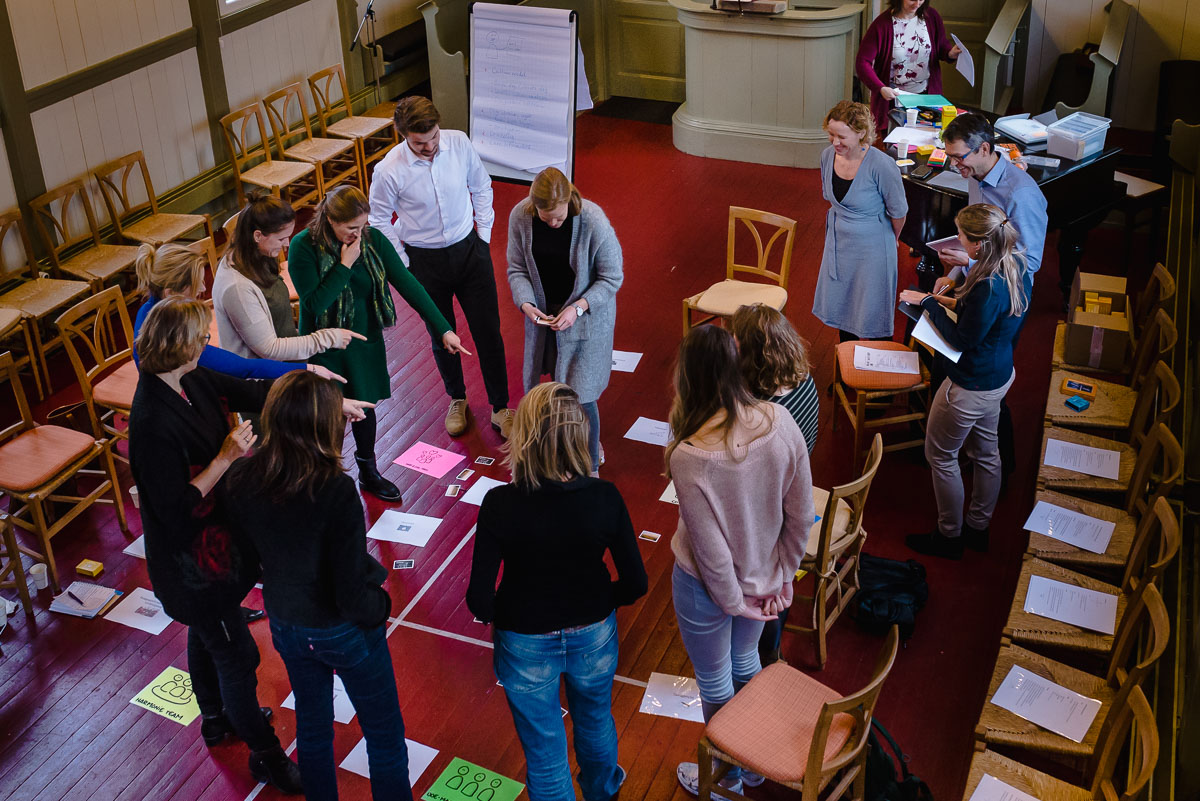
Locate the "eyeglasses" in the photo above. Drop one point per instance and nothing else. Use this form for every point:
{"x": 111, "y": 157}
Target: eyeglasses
{"x": 956, "y": 160}
{"x": 207, "y": 338}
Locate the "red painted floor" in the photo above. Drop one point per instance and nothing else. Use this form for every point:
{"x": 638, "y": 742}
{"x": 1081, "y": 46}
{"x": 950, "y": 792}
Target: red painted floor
{"x": 67, "y": 729}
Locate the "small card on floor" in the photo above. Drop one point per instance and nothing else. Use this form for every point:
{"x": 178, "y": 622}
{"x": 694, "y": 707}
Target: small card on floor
{"x": 465, "y": 474}
{"x": 649, "y": 536}
{"x": 484, "y": 460}
{"x": 453, "y": 490}
{"x": 403, "y": 564}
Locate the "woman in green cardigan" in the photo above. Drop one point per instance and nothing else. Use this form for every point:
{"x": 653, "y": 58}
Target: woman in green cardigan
{"x": 342, "y": 269}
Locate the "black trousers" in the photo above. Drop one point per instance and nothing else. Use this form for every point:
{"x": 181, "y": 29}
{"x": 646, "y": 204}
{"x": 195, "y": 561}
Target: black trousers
{"x": 223, "y": 658}
{"x": 464, "y": 271}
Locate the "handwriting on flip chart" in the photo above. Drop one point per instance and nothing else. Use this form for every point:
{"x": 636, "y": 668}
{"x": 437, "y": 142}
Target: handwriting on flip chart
{"x": 1074, "y": 528}
{"x": 1067, "y": 603}
{"x": 1045, "y": 703}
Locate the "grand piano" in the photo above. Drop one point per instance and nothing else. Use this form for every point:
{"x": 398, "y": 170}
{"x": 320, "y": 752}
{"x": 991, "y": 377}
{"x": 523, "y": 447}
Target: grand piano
{"x": 1079, "y": 195}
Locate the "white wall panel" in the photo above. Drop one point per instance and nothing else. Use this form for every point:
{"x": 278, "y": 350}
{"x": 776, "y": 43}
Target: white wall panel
{"x": 8, "y": 194}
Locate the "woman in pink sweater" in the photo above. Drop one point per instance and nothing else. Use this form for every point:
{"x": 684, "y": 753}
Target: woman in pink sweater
{"x": 741, "y": 471}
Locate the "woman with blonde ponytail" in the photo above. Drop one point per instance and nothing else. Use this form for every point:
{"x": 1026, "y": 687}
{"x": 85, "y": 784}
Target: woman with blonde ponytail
{"x": 173, "y": 270}
{"x": 989, "y": 306}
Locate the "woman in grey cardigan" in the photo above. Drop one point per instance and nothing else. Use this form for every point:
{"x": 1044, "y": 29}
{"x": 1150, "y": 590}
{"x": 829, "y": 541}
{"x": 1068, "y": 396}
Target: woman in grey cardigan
{"x": 564, "y": 270}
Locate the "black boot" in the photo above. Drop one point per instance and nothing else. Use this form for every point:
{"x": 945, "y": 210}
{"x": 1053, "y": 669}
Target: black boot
{"x": 975, "y": 538}
{"x": 276, "y": 768}
{"x": 217, "y": 728}
{"x": 371, "y": 481}
{"x": 935, "y": 544}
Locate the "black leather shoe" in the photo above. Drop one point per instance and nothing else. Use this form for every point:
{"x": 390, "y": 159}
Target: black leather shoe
{"x": 250, "y": 615}
{"x": 276, "y": 768}
{"x": 371, "y": 481}
{"x": 217, "y": 728}
{"x": 934, "y": 544}
{"x": 974, "y": 538}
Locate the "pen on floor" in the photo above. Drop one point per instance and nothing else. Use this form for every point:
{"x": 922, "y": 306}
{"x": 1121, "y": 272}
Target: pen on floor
{"x": 74, "y": 597}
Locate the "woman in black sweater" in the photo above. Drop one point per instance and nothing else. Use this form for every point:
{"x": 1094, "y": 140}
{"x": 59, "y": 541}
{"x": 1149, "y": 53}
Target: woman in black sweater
{"x": 321, "y": 587}
{"x": 554, "y": 612}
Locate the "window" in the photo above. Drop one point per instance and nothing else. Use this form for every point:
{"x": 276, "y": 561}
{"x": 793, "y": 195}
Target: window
{"x": 230, "y": 6}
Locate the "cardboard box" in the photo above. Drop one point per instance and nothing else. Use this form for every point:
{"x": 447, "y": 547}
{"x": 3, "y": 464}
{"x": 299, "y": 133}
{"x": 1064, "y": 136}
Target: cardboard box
{"x": 89, "y": 567}
{"x": 1100, "y": 341}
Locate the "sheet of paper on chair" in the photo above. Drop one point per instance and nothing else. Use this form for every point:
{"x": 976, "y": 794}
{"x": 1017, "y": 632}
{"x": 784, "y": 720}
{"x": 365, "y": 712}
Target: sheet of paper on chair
{"x": 1082, "y": 458}
{"x": 624, "y": 361}
{"x": 655, "y": 432}
{"x": 887, "y": 361}
{"x": 1045, "y": 703}
{"x": 1068, "y": 603}
{"x": 926, "y": 333}
{"x": 343, "y": 710}
{"x": 992, "y": 789}
{"x": 1074, "y": 528}
{"x": 420, "y": 757}
{"x": 672, "y": 697}
{"x": 965, "y": 64}
{"x": 404, "y": 527}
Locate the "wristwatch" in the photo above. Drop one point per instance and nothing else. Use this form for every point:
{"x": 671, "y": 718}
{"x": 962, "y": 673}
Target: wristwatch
{"x": 579, "y": 310}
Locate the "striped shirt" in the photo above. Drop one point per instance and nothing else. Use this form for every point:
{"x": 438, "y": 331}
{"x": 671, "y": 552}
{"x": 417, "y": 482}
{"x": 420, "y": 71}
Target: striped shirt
{"x": 801, "y": 404}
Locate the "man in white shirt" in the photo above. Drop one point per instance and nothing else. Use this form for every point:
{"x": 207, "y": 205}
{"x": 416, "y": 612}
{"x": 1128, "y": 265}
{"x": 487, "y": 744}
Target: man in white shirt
{"x": 437, "y": 189}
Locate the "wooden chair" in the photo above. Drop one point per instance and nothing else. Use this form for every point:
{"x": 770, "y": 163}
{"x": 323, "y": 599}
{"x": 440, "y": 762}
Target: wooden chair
{"x": 1146, "y": 619}
{"x": 1154, "y": 547}
{"x": 373, "y": 136}
{"x": 724, "y": 298}
{"x": 294, "y": 181}
{"x": 859, "y": 392}
{"x": 35, "y": 298}
{"x": 1102, "y": 771}
{"x": 796, "y": 732}
{"x": 1154, "y": 331}
{"x": 102, "y": 357}
{"x": 837, "y": 537}
{"x": 11, "y": 564}
{"x": 14, "y": 329}
{"x": 1162, "y": 453}
{"x": 1117, "y": 407}
{"x": 129, "y": 218}
{"x": 36, "y": 460}
{"x": 336, "y": 160}
{"x": 98, "y": 264}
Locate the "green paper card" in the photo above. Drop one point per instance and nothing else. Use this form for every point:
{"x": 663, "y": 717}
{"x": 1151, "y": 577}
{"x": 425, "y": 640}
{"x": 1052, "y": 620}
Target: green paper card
{"x": 913, "y": 101}
{"x": 170, "y": 695}
{"x": 464, "y": 781}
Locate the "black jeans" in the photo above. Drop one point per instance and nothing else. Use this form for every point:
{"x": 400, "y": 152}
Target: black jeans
{"x": 223, "y": 658}
{"x": 464, "y": 271}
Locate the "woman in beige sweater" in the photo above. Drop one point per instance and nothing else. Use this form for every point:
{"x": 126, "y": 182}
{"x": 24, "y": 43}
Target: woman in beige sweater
{"x": 250, "y": 297}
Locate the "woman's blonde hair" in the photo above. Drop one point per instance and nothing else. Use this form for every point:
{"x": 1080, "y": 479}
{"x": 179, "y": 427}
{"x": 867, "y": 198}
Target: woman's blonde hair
{"x": 173, "y": 334}
{"x": 856, "y": 115}
{"x": 341, "y": 204}
{"x": 771, "y": 354}
{"x": 550, "y": 189}
{"x": 997, "y": 237}
{"x": 169, "y": 267}
{"x": 549, "y": 437}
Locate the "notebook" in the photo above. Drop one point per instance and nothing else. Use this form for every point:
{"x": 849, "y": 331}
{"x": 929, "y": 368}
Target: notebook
{"x": 89, "y": 599}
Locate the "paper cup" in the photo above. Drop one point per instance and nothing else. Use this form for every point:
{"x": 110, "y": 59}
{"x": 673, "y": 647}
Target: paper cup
{"x": 37, "y": 574}
{"x": 133, "y": 496}
{"x": 911, "y": 116}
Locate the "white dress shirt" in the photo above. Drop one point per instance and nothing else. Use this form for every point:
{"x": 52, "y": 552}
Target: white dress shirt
{"x": 435, "y": 202}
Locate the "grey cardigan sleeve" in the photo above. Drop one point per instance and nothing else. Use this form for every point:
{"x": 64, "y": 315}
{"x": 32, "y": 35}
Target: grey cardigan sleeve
{"x": 604, "y": 257}
{"x": 520, "y": 231}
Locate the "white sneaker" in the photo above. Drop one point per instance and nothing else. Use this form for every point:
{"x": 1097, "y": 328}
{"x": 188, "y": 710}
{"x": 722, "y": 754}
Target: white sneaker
{"x": 688, "y": 774}
{"x": 752, "y": 779}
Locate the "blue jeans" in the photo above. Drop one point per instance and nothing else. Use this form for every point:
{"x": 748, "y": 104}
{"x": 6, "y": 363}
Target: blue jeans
{"x": 592, "y": 412}
{"x": 529, "y": 667}
{"x": 723, "y": 648}
{"x": 360, "y": 656}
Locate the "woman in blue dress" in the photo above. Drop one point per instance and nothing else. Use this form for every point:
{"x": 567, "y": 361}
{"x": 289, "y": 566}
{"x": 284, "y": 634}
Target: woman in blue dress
{"x": 856, "y": 288}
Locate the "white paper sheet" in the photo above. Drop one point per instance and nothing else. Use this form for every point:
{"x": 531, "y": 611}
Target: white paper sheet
{"x": 887, "y": 361}
{"x": 947, "y": 243}
{"x": 1047, "y": 704}
{"x": 965, "y": 64}
{"x": 992, "y": 789}
{"x": 949, "y": 179}
{"x": 420, "y": 757}
{"x": 624, "y": 361}
{"x": 912, "y": 136}
{"x": 583, "y": 92}
{"x": 343, "y": 710}
{"x": 669, "y": 495}
{"x": 480, "y": 488}
{"x": 137, "y": 548}
{"x": 1067, "y": 603}
{"x": 410, "y": 529}
{"x": 655, "y": 432}
{"x": 924, "y": 331}
{"x": 1082, "y": 458}
{"x": 140, "y": 610}
{"x": 1082, "y": 531}
{"x": 672, "y": 697}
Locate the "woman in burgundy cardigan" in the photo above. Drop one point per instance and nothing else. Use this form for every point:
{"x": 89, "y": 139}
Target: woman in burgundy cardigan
{"x": 902, "y": 50}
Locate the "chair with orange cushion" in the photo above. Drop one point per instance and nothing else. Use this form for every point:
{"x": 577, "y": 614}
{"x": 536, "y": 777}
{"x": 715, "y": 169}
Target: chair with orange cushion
{"x": 796, "y": 732}
{"x": 859, "y": 391}
{"x": 36, "y": 460}
{"x": 102, "y": 356}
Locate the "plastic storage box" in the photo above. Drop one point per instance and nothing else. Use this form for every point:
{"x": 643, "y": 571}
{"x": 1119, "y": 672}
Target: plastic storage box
{"x": 1077, "y": 135}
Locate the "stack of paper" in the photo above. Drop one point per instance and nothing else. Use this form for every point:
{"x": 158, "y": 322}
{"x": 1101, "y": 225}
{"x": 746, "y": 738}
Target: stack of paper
{"x": 83, "y": 599}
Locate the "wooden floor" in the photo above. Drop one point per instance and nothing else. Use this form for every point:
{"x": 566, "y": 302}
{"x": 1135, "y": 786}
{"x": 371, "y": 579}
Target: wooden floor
{"x": 67, "y": 729}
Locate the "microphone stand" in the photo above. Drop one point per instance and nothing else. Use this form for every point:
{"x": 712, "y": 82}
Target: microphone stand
{"x": 368, "y": 20}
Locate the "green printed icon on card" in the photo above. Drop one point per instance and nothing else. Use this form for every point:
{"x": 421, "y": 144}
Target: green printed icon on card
{"x": 464, "y": 781}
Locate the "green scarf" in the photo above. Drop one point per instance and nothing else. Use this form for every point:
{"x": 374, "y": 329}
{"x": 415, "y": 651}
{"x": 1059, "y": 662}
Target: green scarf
{"x": 380, "y": 307}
